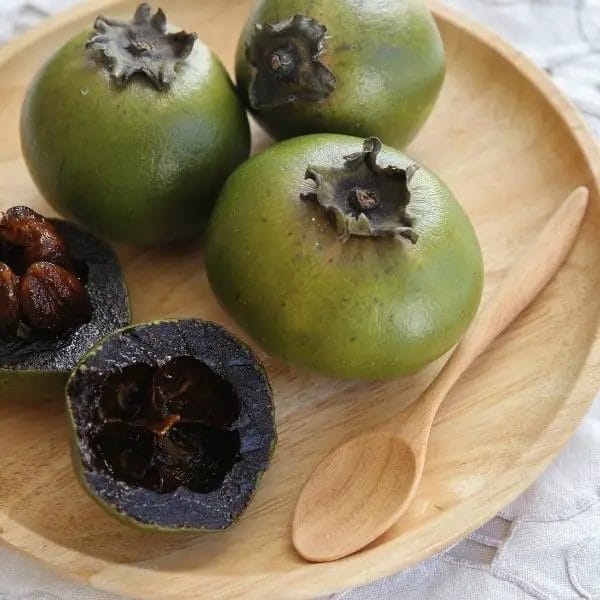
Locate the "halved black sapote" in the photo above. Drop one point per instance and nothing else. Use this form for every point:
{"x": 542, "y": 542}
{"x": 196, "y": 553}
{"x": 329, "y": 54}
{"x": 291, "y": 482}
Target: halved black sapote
{"x": 61, "y": 290}
{"x": 173, "y": 425}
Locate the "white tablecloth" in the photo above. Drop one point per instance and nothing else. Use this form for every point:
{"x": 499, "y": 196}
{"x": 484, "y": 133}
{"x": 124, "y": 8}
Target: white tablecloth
{"x": 546, "y": 545}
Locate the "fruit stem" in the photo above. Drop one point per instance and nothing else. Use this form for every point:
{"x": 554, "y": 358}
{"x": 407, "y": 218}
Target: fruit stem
{"x": 363, "y": 198}
{"x": 286, "y": 57}
{"x": 283, "y": 63}
{"x": 141, "y": 46}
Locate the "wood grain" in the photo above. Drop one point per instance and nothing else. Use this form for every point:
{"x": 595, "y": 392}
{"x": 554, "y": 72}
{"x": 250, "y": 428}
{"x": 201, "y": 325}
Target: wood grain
{"x": 511, "y": 148}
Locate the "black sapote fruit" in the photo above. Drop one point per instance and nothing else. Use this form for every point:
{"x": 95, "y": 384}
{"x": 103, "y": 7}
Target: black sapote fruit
{"x": 343, "y": 256}
{"x": 364, "y": 68}
{"x": 132, "y": 127}
{"x": 61, "y": 290}
{"x": 173, "y": 425}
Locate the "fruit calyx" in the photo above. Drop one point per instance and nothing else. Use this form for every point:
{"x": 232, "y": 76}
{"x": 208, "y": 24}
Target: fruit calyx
{"x": 286, "y": 56}
{"x": 166, "y": 427}
{"x": 40, "y": 288}
{"x": 363, "y": 198}
{"x": 141, "y": 46}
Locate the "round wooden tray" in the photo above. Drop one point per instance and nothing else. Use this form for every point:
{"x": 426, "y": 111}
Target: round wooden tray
{"x": 511, "y": 148}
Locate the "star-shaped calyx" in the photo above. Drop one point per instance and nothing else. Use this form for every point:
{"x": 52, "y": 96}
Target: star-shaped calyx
{"x": 286, "y": 57}
{"x": 142, "y": 45}
{"x": 363, "y": 198}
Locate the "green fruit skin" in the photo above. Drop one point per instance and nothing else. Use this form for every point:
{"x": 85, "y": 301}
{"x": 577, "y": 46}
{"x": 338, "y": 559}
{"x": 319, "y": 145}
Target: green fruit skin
{"x": 387, "y": 57}
{"x": 133, "y": 164}
{"x": 369, "y": 308}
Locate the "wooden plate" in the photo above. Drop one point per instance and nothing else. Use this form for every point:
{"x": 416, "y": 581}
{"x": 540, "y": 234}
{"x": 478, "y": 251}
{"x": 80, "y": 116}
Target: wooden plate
{"x": 511, "y": 148}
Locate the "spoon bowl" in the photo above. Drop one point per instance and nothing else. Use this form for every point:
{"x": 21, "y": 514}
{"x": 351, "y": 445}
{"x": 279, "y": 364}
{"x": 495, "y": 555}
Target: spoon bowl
{"x": 354, "y": 492}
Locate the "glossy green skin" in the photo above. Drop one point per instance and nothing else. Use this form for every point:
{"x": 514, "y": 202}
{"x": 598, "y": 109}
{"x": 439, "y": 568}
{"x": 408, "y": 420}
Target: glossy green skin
{"x": 387, "y": 57}
{"x": 133, "y": 164}
{"x": 369, "y": 308}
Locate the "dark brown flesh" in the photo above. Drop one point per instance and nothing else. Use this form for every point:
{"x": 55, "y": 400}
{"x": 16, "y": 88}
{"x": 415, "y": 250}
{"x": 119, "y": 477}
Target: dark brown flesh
{"x": 39, "y": 280}
{"x": 10, "y": 312}
{"x": 37, "y": 239}
{"x": 52, "y": 299}
{"x": 165, "y": 427}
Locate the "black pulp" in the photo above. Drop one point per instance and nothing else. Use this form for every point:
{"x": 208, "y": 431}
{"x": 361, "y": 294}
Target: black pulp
{"x": 167, "y": 426}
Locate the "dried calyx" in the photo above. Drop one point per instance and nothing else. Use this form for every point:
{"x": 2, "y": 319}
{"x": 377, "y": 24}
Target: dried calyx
{"x": 165, "y": 427}
{"x": 364, "y": 199}
{"x": 286, "y": 57}
{"x": 40, "y": 286}
{"x": 142, "y": 45}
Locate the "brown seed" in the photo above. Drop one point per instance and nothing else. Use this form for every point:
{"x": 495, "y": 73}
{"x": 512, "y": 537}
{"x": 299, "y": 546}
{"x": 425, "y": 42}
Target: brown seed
{"x": 52, "y": 299}
{"x": 9, "y": 300}
{"x": 36, "y": 236}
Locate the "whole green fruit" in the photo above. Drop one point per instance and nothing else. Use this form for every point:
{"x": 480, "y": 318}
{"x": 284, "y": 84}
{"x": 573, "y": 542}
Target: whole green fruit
{"x": 132, "y": 131}
{"x": 354, "y": 263}
{"x": 361, "y": 67}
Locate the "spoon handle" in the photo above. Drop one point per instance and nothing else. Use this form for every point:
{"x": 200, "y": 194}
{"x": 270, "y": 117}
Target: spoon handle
{"x": 523, "y": 282}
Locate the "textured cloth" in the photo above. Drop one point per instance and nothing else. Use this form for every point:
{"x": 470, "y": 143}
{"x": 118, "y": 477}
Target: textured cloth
{"x": 546, "y": 545}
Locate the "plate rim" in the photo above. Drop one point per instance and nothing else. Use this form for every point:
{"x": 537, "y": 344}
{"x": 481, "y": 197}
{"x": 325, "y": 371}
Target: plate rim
{"x": 367, "y": 566}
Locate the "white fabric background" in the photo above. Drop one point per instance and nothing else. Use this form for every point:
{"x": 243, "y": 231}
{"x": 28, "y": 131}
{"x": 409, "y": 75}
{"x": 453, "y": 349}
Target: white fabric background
{"x": 546, "y": 545}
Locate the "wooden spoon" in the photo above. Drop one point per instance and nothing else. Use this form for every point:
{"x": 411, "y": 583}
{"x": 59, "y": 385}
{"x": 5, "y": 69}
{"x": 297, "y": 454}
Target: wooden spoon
{"x": 362, "y": 487}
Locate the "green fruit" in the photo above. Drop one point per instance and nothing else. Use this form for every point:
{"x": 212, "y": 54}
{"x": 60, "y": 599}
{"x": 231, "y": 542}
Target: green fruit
{"x": 368, "y": 67}
{"x": 356, "y": 264}
{"x": 36, "y": 366}
{"x": 133, "y": 144}
{"x": 173, "y": 425}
